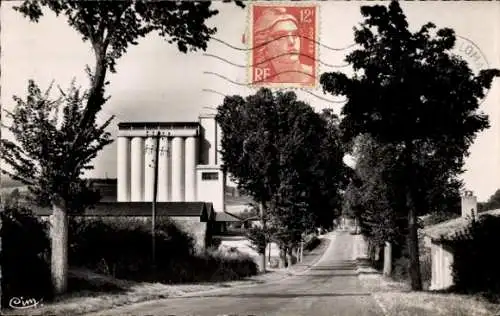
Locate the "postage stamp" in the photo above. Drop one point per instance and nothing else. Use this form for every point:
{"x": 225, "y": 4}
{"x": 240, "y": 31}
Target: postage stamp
{"x": 283, "y": 46}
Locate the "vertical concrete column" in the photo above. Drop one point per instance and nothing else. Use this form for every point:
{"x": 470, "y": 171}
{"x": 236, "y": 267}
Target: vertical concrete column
{"x": 178, "y": 169}
{"x": 210, "y": 140}
{"x": 190, "y": 169}
{"x": 149, "y": 168}
{"x": 448, "y": 271}
{"x": 387, "y": 259}
{"x": 440, "y": 267}
{"x": 123, "y": 169}
{"x": 169, "y": 169}
{"x": 218, "y": 147}
{"x": 137, "y": 169}
{"x": 434, "y": 267}
{"x": 163, "y": 173}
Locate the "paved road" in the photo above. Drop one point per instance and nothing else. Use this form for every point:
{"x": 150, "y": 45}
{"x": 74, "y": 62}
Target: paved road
{"x": 330, "y": 287}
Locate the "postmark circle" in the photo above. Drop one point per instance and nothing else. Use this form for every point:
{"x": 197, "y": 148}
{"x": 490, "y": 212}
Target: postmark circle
{"x": 472, "y": 54}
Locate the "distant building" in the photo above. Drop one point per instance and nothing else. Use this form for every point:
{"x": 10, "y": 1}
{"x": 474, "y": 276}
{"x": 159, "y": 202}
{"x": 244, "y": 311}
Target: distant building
{"x": 191, "y": 183}
{"x": 189, "y": 165}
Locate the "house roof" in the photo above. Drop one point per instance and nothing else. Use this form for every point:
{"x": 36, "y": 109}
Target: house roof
{"x": 181, "y": 209}
{"x": 226, "y": 217}
{"x": 238, "y": 200}
{"x": 449, "y": 229}
{"x": 107, "y": 189}
{"x": 236, "y": 209}
{"x": 140, "y": 125}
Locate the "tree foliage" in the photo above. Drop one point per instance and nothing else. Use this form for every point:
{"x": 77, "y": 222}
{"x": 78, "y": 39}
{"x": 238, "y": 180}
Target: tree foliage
{"x": 285, "y": 155}
{"x": 410, "y": 92}
{"x": 42, "y": 154}
{"x": 493, "y": 202}
{"x": 113, "y": 26}
{"x": 374, "y": 193}
{"x": 331, "y": 175}
{"x": 258, "y": 237}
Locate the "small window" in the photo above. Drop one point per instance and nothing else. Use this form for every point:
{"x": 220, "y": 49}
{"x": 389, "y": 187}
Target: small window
{"x": 210, "y": 176}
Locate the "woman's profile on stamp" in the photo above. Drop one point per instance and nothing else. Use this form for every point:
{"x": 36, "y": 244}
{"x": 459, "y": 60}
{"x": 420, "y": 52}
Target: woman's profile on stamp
{"x": 280, "y": 41}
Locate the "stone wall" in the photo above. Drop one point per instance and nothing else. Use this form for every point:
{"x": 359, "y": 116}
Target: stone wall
{"x": 200, "y": 231}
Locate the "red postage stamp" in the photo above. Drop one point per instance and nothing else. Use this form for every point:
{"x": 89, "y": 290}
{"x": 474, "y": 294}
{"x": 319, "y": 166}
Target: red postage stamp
{"x": 283, "y": 42}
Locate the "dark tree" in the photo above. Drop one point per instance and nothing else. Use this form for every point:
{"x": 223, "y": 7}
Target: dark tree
{"x": 331, "y": 175}
{"x": 410, "y": 91}
{"x": 273, "y": 144}
{"x": 493, "y": 202}
{"x": 44, "y": 157}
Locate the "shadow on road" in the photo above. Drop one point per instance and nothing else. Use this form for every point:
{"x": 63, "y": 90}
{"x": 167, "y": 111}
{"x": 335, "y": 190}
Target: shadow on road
{"x": 272, "y": 295}
{"x": 346, "y": 268}
{"x": 330, "y": 275}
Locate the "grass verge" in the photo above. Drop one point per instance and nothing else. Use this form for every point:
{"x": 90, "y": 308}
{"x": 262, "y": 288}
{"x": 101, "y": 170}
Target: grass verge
{"x": 94, "y": 292}
{"x": 397, "y": 299}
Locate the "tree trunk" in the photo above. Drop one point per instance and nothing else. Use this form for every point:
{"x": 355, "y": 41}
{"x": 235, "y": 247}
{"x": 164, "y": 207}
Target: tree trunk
{"x": 412, "y": 238}
{"x": 263, "y": 254}
{"x": 269, "y": 253}
{"x": 96, "y": 90}
{"x": 289, "y": 257}
{"x": 301, "y": 251}
{"x": 59, "y": 249}
{"x": 282, "y": 262}
{"x": 415, "y": 275}
{"x": 376, "y": 253}
{"x": 387, "y": 259}
{"x": 262, "y": 257}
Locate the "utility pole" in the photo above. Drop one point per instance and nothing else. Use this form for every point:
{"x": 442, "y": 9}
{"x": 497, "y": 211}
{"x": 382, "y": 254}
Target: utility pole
{"x": 1, "y": 210}
{"x": 157, "y": 151}
{"x": 155, "y": 194}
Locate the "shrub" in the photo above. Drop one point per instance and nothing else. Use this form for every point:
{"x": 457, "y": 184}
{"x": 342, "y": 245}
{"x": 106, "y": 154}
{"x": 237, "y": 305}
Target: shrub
{"x": 25, "y": 255}
{"x": 401, "y": 263}
{"x": 311, "y": 243}
{"x": 400, "y": 268}
{"x": 258, "y": 238}
{"x": 122, "y": 247}
{"x": 231, "y": 265}
{"x": 209, "y": 266}
{"x": 475, "y": 264}
{"x": 216, "y": 242}
{"x": 426, "y": 267}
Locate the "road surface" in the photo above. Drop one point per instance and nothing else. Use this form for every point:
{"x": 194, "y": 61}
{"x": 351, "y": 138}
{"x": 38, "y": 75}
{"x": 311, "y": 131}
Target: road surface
{"x": 330, "y": 287}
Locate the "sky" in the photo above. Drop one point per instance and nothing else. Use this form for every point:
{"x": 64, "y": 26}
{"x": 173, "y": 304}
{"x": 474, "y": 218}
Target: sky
{"x": 154, "y": 82}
